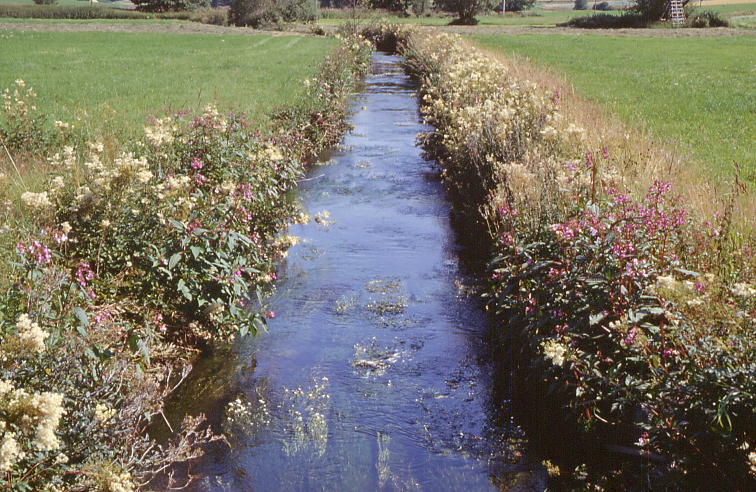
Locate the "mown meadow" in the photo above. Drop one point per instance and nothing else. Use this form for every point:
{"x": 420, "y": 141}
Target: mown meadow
{"x": 113, "y": 81}
{"x": 694, "y": 95}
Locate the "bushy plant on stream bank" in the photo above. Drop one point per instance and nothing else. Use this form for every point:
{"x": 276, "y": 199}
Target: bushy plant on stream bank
{"x": 125, "y": 262}
{"x": 630, "y": 321}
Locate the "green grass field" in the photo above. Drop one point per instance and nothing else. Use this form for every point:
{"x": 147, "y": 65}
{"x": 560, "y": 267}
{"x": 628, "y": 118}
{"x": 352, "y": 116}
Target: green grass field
{"x": 695, "y": 92}
{"x": 119, "y": 79}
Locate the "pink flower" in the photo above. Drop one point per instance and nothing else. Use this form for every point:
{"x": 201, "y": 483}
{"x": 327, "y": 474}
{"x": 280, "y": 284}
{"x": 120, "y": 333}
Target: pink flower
{"x": 84, "y": 275}
{"x": 507, "y": 211}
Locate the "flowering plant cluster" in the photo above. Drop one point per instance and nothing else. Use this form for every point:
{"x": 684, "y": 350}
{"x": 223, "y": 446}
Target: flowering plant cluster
{"x": 125, "y": 261}
{"x": 23, "y": 127}
{"x": 630, "y": 322}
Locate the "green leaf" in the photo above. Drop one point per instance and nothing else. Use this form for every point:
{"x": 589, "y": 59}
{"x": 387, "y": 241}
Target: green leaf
{"x": 595, "y": 319}
{"x": 175, "y": 223}
{"x": 184, "y": 289}
{"x": 83, "y": 321}
{"x": 175, "y": 258}
{"x": 196, "y": 251}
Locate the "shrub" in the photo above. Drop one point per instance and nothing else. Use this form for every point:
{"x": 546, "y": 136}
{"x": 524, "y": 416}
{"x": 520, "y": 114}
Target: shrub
{"x": 257, "y": 13}
{"x": 518, "y": 5}
{"x": 653, "y": 10}
{"x": 603, "y": 6}
{"x": 218, "y": 17}
{"x": 80, "y": 12}
{"x": 25, "y": 129}
{"x": 707, "y": 18}
{"x": 45, "y": 2}
{"x": 608, "y": 21}
{"x": 170, "y": 5}
{"x": 466, "y": 10}
{"x": 580, "y": 5}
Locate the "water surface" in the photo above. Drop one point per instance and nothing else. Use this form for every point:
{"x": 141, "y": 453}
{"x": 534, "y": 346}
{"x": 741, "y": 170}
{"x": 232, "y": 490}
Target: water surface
{"x": 373, "y": 375}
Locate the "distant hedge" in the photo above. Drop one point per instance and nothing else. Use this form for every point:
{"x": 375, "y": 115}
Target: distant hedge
{"x": 81, "y": 12}
{"x": 607, "y": 21}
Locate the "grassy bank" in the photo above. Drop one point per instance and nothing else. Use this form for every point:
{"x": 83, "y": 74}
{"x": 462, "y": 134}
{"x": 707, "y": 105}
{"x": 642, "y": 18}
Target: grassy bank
{"x": 113, "y": 81}
{"x": 694, "y": 95}
{"x": 124, "y": 260}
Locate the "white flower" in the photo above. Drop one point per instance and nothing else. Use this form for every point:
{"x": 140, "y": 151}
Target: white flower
{"x": 554, "y": 351}
{"x": 66, "y": 227}
{"x": 144, "y": 176}
{"x": 49, "y": 409}
{"x": 36, "y": 200}
{"x": 96, "y": 147}
{"x": 161, "y": 133}
{"x": 743, "y": 290}
{"x": 102, "y": 413}
{"x": 10, "y": 451}
{"x": 668, "y": 283}
{"x": 30, "y": 335}
{"x": 57, "y": 184}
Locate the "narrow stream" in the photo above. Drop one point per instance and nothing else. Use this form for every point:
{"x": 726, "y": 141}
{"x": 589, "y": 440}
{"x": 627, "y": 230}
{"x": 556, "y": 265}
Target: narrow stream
{"x": 374, "y": 374}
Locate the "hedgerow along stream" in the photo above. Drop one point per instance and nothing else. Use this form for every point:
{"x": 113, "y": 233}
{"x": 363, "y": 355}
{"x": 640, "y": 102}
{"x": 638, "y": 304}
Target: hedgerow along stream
{"x": 374, "y": 373}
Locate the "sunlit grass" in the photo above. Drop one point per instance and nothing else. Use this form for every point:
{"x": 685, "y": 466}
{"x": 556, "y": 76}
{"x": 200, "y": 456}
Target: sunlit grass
{"x": 114, "y": 81}
{"x": 696, "y": 94}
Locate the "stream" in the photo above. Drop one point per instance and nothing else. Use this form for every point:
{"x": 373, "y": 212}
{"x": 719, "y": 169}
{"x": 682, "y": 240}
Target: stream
{"x": 374, "y": 373}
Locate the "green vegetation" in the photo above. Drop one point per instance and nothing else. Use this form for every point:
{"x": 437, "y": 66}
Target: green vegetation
{"x": 110, "y": 80}
{"x": 740, "y": 15}
{"x": 259, "y": 13}
{"x": 536, "y": 17}
{"x": 87, "y": 11}
{"x": 128, "y": 256}
{"x": 697, "y": 92}
{"x": 625, "y": 314}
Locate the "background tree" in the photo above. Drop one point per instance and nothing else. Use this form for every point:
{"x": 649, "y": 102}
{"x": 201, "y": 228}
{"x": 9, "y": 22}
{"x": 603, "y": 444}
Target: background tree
{"x": 653, "y": 10}
{"x": 519, "y": 5}
{"x": 467, "y": 9}
{"x": 256, "y": 13}
{"x": 580, "y": 5}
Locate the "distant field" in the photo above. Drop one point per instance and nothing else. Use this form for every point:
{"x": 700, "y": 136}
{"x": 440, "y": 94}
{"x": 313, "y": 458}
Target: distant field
{"x": 116, "y": 80}
{"x": 695, "y": 92}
